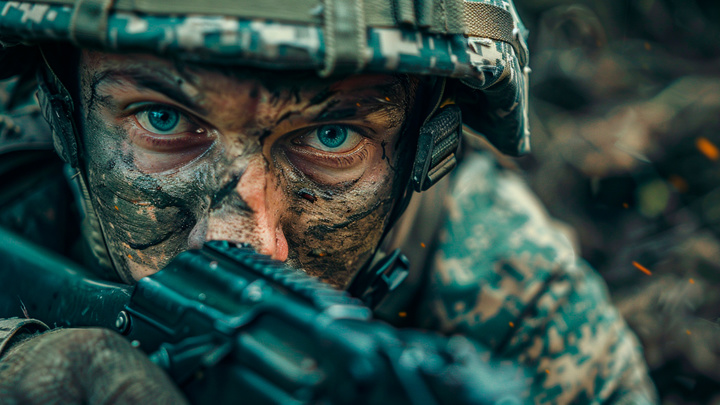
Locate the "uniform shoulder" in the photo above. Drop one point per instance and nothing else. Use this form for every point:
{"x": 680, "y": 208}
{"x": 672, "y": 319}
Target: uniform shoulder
{"x": 496, "y": 251}
{"x": 505, "y": 275}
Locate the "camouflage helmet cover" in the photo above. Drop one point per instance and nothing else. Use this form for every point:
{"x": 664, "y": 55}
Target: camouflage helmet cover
{"x": 479, "y": 44}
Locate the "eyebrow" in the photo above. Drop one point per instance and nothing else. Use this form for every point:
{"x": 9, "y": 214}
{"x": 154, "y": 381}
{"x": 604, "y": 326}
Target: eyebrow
{"x": 166, "y": 83}
{"x": 336, "y": 109}
{"x": 154, "y": 80}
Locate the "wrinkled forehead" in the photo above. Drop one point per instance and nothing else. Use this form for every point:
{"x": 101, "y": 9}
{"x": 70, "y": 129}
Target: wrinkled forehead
{"x": 197, "y": 79}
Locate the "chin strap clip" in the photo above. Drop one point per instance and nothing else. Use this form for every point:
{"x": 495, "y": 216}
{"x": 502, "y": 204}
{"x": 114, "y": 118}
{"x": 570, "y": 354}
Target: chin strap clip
{"x": 383, "y": 277}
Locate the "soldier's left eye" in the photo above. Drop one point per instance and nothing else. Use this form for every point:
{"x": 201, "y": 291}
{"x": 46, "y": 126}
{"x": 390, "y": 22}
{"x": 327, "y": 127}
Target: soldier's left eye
{"x": 331, "y": 138}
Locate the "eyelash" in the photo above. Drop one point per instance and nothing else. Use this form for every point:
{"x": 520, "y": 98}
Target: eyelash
{"x": 147, "y": 107}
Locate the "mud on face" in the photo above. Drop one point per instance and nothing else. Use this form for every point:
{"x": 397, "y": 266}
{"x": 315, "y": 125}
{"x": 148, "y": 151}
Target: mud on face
{"x": 301, "y": 168}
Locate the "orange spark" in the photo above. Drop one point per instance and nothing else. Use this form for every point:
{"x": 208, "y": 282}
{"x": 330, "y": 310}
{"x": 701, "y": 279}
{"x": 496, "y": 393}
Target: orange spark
{"x": 547, "y": 371}
{"x": 692, "y": 281}
{"x": 626, "y": 205}
{"x": 422, "y": 245}
{"x": 116, "y": 208}
{"x": 402, "y": 314}
{"x": 688, "y": 331}
{"x": 512, "y": 325}
{"x": 129, "y": 255}
{"x": 679, "y": 183}
{"x": 707, "y": 148}
{"x": 642, "y": 268}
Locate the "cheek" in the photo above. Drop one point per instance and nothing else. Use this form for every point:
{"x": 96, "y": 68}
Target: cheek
{"x": 146, "y": 218}
{"x": 332, "y": 232}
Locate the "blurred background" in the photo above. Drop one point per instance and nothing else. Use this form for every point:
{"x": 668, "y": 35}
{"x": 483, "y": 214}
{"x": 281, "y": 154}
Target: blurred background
{"x": 625, "y": 119}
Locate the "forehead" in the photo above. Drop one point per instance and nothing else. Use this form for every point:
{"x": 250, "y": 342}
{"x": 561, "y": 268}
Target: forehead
{"x": 195, "y": 77}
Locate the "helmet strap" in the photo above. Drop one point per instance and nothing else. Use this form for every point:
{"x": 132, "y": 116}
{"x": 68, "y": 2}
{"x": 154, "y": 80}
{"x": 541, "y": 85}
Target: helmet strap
{"x": 56, "y": 104}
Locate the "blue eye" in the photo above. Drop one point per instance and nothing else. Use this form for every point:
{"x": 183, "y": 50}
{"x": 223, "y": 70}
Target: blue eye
{"x": 332, "y": 136}
{"x": 163, "y": 119}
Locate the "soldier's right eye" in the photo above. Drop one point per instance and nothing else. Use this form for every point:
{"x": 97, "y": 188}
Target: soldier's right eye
{"x": 165, "y": 137}
{"x": 165, "y": 120}
{"x": 161, "y": 119}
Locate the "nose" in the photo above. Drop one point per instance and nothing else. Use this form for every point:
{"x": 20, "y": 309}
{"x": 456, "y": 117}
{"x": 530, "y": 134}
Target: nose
{"x": 247, "y": 209}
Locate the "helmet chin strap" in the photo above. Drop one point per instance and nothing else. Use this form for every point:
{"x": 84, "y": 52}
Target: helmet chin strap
{"x": 91, "y": 227}
{"x": 58, "y": 108}
{"x": 438, "y": 140}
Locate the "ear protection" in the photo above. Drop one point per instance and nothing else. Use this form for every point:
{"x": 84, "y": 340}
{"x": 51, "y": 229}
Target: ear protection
{"x": 438, "y": 143}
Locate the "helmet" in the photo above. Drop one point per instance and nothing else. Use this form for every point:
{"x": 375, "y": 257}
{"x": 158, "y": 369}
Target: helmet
{"x": 474, "y": 53}
{"x": 477, "y": 44}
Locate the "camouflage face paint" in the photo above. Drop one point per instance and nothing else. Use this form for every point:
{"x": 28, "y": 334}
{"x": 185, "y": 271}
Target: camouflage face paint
{"x": 299, "y": 167}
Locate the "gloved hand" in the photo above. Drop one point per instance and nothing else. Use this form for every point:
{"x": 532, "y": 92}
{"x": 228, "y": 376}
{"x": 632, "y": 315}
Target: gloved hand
{"x": 82, "y": 366}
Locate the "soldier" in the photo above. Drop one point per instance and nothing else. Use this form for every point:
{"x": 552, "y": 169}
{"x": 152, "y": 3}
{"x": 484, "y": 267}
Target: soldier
{"x": 304, "y": 130}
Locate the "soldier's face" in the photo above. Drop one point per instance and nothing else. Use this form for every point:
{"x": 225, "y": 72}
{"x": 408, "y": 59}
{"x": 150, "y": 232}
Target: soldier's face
{"x": 302, "y": 169}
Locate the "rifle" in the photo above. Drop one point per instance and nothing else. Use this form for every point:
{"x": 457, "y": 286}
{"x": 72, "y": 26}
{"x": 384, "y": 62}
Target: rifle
{"x": 228, "y": 324}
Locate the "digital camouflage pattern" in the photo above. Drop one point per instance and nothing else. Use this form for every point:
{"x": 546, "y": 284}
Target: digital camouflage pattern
{"x": 506, "y": 277}
{"x": 267, "y": 44}
{"x": 480, "y": 63}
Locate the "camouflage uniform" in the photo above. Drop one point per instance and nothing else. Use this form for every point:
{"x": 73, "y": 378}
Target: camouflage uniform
{"x": 503, "y": 275}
